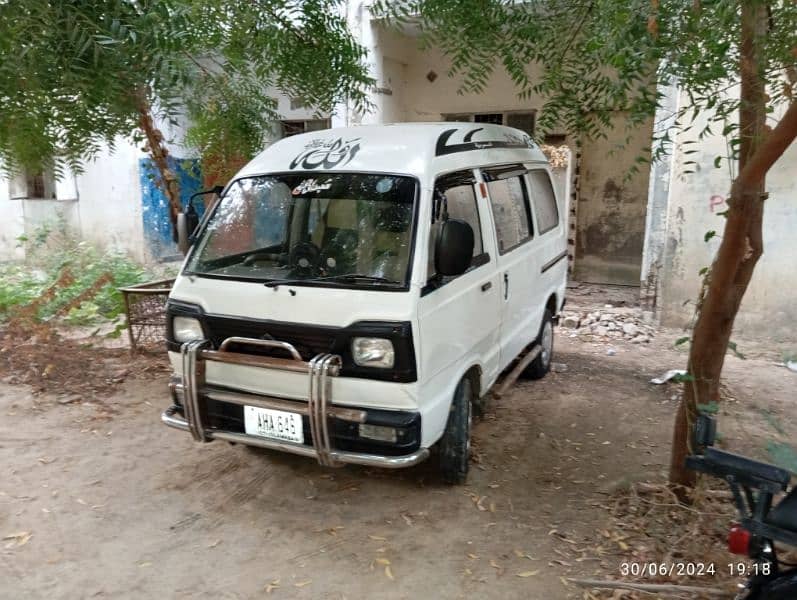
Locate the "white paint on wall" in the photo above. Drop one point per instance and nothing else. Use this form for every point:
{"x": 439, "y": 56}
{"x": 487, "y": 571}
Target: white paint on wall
{"x": 101, "y": 205}
{"x": 110, "y": 200}
{"x": 695, "y": 201}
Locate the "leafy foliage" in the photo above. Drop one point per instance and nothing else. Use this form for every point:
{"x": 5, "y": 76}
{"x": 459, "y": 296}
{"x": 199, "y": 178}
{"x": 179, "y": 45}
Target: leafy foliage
{"x": 54, "y": 253}
{"x": 73, "y": 75}
{"x": 600, "y": 56}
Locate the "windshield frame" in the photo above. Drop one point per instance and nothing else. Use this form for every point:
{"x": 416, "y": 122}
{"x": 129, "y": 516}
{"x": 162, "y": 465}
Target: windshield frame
{"x": 324, "y": 283}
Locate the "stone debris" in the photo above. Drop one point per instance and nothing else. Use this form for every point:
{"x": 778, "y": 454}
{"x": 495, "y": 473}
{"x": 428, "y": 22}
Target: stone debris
{"x": 611, "y": 323}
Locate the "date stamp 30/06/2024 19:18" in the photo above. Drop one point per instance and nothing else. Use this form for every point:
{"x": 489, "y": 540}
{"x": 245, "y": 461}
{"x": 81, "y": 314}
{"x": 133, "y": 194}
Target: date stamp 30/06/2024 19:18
{"x": 692, "y": 569}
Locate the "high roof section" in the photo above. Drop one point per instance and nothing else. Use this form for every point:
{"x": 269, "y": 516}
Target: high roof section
{"x": 411, "y": 148}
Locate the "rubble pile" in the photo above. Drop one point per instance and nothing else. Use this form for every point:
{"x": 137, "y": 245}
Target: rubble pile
{"x": 611, "y": 323}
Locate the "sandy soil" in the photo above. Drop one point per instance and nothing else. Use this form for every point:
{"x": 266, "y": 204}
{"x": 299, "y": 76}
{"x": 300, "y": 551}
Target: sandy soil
{"x": 118, "y": 506}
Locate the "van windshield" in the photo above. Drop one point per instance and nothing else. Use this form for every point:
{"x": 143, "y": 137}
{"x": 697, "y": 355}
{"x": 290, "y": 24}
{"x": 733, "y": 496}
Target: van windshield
{"x": 331, "y": 229}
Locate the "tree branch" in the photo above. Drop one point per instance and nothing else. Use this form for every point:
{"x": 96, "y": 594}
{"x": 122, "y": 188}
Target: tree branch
{"x": 770, "y": 150}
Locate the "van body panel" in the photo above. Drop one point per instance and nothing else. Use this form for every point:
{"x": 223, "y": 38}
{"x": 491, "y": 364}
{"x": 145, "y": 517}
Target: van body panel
{"x": 471, "y": 321}
{"x": 296, "y": 304}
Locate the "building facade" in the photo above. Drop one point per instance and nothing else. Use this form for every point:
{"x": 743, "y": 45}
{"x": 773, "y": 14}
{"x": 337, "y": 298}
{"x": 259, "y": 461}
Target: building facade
{"x": 645, "y": 230}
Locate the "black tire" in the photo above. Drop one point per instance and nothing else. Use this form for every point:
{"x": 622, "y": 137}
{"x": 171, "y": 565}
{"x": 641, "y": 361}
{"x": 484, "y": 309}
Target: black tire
{"x": 454, "y": 446}
{"x": 540, "y": 366}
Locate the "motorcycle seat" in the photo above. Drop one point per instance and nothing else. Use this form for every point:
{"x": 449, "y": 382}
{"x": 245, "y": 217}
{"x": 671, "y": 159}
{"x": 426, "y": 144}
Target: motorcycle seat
{"x": 784, "y": 515}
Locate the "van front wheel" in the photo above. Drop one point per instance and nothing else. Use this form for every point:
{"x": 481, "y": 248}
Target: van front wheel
{"x": 540, "y": 366}
{"x": 455, "y": 443}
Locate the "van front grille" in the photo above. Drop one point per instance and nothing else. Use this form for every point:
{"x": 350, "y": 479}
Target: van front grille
{"x": 309, "y": 341}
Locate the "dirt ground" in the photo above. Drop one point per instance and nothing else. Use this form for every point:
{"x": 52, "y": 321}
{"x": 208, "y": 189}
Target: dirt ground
{"x": 99, "y": 500}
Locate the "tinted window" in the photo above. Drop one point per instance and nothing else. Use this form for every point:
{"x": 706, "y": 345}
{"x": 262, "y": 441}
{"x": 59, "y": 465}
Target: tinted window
{"x": 454, "y": 198}
{"x": 511, "y": 212}
{"x": 544, "y": 200}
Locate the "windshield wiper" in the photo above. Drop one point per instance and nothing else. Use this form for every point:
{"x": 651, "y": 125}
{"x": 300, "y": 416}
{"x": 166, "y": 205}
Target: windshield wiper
{"x": 346, "y": 277}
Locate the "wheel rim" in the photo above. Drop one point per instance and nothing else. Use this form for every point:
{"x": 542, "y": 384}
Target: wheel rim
{"x": 546, "y": 343}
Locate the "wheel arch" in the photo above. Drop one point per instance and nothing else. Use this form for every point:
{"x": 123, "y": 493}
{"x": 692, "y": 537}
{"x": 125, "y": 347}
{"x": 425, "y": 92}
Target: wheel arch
{"x": 552, "y": 304}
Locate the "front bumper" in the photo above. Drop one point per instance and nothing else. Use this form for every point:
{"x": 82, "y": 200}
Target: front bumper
{"x": 192, "y": 398}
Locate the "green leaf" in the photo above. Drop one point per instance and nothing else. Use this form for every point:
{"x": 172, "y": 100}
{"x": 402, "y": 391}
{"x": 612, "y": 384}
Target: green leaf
{"x": 703, "y": 271}
{"x": 681, "y": 340}
{"x": 709, "y": 234}
{"x": 717, "y": 162}
{"x": 712, "y": 408}
{"x": 686, "y": 377}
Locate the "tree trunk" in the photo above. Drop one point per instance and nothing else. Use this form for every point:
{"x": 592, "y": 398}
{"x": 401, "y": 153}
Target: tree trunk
{"x": 742, "y": 240}
{"x": 168, "y": 182}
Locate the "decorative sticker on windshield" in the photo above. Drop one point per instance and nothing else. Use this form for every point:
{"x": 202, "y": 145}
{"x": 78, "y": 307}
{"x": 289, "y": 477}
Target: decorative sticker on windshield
{"x": 326, "y": 154}
{"x": 308, "y": 186}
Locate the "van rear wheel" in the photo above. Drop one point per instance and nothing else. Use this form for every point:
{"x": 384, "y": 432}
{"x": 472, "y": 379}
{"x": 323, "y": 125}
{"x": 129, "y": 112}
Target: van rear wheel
{"x": 540, "y": 366}
{"x": 455, "y": 443}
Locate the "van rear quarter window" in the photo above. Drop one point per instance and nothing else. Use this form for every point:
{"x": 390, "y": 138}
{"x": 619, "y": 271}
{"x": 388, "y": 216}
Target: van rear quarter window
{"x": 510, "y": 208}
{"x": 544, "y": 200}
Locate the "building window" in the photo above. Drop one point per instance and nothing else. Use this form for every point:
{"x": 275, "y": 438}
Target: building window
{"x": 494, "y": 118}
{"x": 523, "y": 120}
{"x": 290, "y": 128}
{"x": 27, "y": 184}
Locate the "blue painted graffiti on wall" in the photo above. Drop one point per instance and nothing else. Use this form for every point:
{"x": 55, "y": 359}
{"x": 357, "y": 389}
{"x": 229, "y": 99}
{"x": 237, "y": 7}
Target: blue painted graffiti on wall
{"x": 155, "y": 205}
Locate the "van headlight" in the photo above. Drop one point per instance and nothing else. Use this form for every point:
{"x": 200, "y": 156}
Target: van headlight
{"x": 187, "y": 329}
{"x": 373, "y": 352}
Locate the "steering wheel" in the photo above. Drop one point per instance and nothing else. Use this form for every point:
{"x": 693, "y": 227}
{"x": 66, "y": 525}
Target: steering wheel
{"x": 305, "y": 258}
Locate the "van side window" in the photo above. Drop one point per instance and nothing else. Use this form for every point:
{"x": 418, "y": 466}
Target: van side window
{"x": 544, "y": 200}
{"x": 510, "y": 205}
{"x": 454, "y": 198}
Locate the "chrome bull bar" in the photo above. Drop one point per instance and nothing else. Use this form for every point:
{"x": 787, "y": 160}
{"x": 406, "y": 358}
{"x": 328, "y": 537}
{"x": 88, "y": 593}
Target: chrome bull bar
{"x": 319, "y": 406}
{"x": 321, "y": 367}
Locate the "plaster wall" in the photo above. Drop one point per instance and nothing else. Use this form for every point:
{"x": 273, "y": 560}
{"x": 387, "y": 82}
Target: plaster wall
{"x": 110, "y": 200}
{"x": 695, "y": 201}
{"x": 12, "y": 224}
{"x": 612, "y": 205}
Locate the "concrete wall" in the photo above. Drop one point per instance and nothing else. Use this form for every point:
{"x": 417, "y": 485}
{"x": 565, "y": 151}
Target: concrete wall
{"x": 101, "y": 205}
{"x": 425, "y": 100}
{"x": 12, "y": 224}
{"x": 612, "y": 206}
{"x": 768, "y": 309}
{"x": 110, "y": 201}
{"x": 611, "y": 211}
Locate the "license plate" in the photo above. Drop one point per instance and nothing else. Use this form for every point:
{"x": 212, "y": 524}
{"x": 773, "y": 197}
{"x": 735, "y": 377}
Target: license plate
{"x": 275, "y": 424}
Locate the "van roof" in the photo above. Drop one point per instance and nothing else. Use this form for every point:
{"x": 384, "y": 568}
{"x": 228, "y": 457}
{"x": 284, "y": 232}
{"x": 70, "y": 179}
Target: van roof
{"x": 420, "y": 149}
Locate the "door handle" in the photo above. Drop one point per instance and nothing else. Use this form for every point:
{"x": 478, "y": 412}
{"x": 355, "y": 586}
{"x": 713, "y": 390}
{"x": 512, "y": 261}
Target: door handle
{"x": 487, "y": 286}
{"x": 506, "y": 286}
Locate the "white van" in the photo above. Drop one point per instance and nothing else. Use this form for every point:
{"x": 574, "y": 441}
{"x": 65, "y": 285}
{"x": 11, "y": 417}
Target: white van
{"x": 355, "y": 292}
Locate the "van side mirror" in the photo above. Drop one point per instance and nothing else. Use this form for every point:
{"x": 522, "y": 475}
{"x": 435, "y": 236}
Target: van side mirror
{"x": 454, "y": 248}
{"x": 188, "y": 220}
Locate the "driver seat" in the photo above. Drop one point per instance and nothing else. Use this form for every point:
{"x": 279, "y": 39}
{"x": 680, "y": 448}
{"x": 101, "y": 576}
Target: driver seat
{"x": 337, "y": 235}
